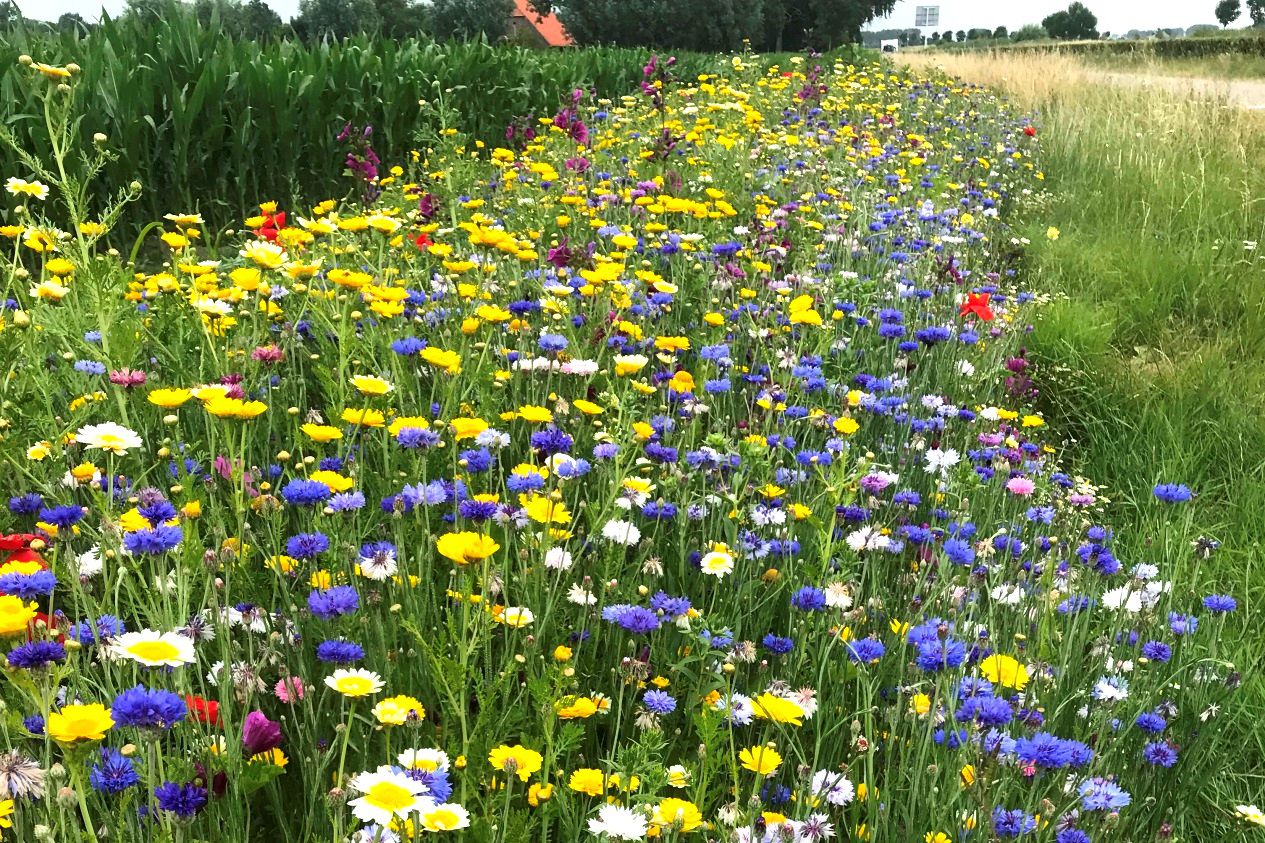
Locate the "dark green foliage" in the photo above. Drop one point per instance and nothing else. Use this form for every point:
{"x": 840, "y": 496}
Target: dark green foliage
{"x": 470, "y": 19}
{"x": 253, "y": 20}
{"x": 1074, "y": 23}
{"x": 217, "y": 124}
{"x": 1001, "y": 32}
{"x": 708, "y": 25}
{"x": 336, "y": 18}
{"x": 1256, "y": 10}
{"x": 1228, "y": 11}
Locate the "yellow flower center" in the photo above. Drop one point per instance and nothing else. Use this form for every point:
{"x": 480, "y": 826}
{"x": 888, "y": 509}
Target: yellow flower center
{"x": 389, "y": 796}
{"x": 153, "y": 651}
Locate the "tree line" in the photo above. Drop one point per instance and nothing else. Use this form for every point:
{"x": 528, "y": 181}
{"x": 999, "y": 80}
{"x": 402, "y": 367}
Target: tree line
{"x": 696, "y": 25}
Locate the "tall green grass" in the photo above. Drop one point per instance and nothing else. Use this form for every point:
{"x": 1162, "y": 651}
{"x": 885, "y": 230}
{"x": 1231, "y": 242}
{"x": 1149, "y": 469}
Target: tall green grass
{"x": 217, "y": 125}
{"x": 1153, "y": 355}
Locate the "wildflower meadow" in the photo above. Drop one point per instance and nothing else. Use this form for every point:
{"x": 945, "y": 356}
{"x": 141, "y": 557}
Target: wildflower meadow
{"x": 671, "y": 468}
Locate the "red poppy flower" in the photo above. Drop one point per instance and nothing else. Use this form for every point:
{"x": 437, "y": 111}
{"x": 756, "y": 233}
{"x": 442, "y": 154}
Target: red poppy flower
{"x": 16, "y": 541}
{"x": 976, "y": 305}
{"x": 422, "y": 240}
{"x": 272, "y": 224}
{"x": 206, "y": 711}
{"x": 1030, "y": 131}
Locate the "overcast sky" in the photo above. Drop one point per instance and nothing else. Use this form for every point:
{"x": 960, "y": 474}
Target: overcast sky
{"x": 1113, "y": 15}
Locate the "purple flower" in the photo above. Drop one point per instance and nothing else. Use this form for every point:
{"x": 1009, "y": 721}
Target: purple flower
{"x": 259, "y": 734}
{"x": 1159, "y": 754}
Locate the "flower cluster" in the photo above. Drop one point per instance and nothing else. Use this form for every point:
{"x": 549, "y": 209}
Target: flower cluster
{"x": 674, "y": 473}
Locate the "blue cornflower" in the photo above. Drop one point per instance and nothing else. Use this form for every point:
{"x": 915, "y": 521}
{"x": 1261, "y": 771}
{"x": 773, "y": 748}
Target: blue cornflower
{"x": 437, "y": 785}
{"x": 777, "y": 645}
{"x": 660, "y": 702}
{"x": 1220, "y": 603}
{"x": 1149, "y": 721}
{"x": 90, "y": 367}
{"x": 672, "y": 607}
{"x": 988, "y": 711}
{"x": 33, "y": 724}
{"x": 413, "y": 438}
{"x": 156, "y": 540}
{"x": 34, "y": 655}
{"x": 347, "y": 501}
{"x": 1013, "y": 823}
{"x": 1182, "y": 624}
{"x": 337, "y": 651}
{"x": 90, "y": 631}
{"x": 1099, "y": 794}
{"x": 306, "y": 545}
{"x": 63, "y": 516}
{"x": 865, "y": 650}
{"x": 305, "y": 492}
{"x": 552, "y": 342}
{"x": 476, "y": 461}
{"x": 148, "y": 709}
{"x": 114, "y": 773}
{"x": 1172, "y": 492}
{"x": 330, "y": 603}
{"x": 809, "y": 599}
{"x": 1043, "y": 750}
{"x": 28, "y": 586}
{"x": 1071, "y": 835}
{"x": 1157, "y": 651}
{"x": 937, "y": 655}
{"x": 183, "y": 800}
{"x": 1160, "y": 754}
{"x": 635, "y": 619}
{"x": 406, "y": 346}
{"x": 27, "y": 504}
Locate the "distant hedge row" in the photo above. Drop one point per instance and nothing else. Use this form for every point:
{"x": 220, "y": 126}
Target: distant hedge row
{"x": 1253, "y": 45}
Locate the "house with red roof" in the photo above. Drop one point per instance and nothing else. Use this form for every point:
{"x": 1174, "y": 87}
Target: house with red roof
{"x": 527, "y": 27}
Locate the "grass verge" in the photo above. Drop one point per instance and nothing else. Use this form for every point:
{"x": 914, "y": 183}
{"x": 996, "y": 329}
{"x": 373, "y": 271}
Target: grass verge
{"x": 1153, "y": 357}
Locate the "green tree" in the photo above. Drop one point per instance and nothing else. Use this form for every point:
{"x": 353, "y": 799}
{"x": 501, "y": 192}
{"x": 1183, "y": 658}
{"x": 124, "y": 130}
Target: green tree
{"x": 1031, "y": 32}
{"x": 706, "y": 25}
{"x": 1228, "y": 12}
{"x": 1001, "y": 32}
{"x": 1256, "y": 10}
{"x": 1076, "y": 22}
{"x": 401, "y": 19}
{"x": 73, "y": 23}
{"x": 147, "y": 13}
{"x": 470, "y": 19}
{"x": 259, "y": 21}
{"x": 335, "y": 18}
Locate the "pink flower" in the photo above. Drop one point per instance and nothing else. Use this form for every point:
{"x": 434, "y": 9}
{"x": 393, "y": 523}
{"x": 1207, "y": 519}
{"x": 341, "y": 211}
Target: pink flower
{"x": 128, "y": 378}
{"x": 1020, "y": 486}
{"x": 289, "y": 689}
{"x": 268, "y": 354}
